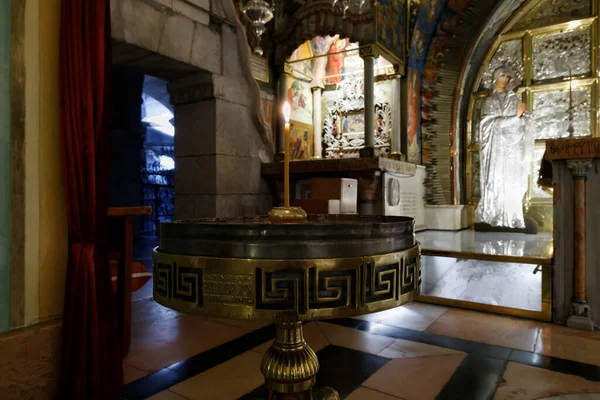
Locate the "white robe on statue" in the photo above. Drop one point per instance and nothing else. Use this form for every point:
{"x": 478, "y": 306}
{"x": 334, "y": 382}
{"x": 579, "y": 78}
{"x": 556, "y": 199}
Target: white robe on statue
{"x": 506, "y": 152}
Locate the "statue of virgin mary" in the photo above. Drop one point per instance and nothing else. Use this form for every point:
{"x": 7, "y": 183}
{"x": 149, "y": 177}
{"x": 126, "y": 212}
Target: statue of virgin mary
{"x": 506, "y": 153}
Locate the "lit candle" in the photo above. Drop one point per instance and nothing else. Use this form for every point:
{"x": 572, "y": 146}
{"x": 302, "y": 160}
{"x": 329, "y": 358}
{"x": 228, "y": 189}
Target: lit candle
{"x": 286, "y": 156}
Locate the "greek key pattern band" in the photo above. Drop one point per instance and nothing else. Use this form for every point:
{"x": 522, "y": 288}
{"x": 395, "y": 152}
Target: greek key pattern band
{"x": 312, "y": 288}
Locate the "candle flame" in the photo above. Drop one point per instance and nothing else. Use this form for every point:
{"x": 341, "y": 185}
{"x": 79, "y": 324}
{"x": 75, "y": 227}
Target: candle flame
{"x": 286, "y": 112}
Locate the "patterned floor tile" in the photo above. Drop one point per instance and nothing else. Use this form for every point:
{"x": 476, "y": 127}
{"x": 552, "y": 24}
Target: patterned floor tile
{"x": 401, "y": 348}
{"x": 487, "y": 328}
{"x": 415, "y": 378}
{"x": 354, "y": 339}
{"x": 227, "y": 381}
{"x": 522, "y": 382}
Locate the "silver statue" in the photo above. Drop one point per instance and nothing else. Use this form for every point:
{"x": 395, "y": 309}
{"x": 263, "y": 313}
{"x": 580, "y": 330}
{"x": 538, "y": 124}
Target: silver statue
{"x": 506, "y": 153}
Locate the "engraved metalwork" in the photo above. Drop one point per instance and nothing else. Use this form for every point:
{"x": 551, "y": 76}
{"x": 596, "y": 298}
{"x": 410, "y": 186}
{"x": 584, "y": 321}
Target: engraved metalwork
{"x": 187, "y": 283}
{"x": 549, "y": 12}
{"x": 551, "y": 117}
{"x": 341, "y": 145}
{"x": 311, "y": 288}
{"x": 289, "y": 289}
{"x": 510, "y": 55}
{"x": 570, "y": 50}
{"x": 163, "y": 276}
{"x": 380, "y": 283}
{"x": 280, "y": 291}
{"x": 333, "y": 288}
{"x": 178, "y": 283}
{"x": 410, "y": 273}
{"x": 229, "y": 289}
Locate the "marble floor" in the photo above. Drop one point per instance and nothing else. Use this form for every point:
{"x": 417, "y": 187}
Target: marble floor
{"x": 414, "y": 352}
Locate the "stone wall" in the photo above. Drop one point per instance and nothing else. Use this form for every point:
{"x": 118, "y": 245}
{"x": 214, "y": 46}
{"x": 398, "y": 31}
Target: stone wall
{"x": 221, "y": 139}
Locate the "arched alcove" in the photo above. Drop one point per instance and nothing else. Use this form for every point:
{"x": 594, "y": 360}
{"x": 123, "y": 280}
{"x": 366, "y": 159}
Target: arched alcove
{"x": 543, "y": 42}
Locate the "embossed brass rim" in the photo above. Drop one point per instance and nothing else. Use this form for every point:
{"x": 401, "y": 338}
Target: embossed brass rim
{"x": 323, "y": 236}
{"x": 312, "y": 288}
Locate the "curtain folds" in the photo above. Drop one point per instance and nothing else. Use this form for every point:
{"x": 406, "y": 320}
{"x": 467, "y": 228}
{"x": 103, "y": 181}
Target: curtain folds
{"x": 91, "y": 358}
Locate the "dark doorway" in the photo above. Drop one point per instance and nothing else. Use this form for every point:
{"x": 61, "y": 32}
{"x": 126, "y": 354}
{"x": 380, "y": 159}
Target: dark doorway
{"x": 142, "y": 164}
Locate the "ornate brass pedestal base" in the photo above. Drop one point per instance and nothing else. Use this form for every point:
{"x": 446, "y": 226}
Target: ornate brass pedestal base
{"x": 290, "y": 366}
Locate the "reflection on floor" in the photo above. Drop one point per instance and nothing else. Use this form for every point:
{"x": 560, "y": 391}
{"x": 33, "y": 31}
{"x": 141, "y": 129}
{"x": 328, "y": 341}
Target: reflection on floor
{"x": 468, "y": 241}
{"x": 491, "y": 268}
{"x": 417, "y": 351}
{"x": 503, "y": 284}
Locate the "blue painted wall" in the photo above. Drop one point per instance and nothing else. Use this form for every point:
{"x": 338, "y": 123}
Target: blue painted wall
{"x": 5, "y": 36}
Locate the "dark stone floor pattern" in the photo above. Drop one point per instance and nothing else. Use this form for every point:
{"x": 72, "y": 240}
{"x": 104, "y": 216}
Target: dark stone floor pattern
{"x": 343, "y": 369}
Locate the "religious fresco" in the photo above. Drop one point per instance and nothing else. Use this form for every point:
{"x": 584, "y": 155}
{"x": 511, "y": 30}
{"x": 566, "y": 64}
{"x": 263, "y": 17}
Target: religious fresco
{"x": 428, "y": 18}
{"x": 331, "y": 59}
{"x": 430, "y": 126}
{"x": 300, "y": 98}
{"x": 301, "y": 141}
{"x": 390, "y": 30}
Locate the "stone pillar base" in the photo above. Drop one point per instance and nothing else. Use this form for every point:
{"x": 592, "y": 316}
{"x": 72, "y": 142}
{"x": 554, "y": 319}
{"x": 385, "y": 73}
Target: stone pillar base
{"x": 583, "y": 323}
{"x": 581, "y": 316}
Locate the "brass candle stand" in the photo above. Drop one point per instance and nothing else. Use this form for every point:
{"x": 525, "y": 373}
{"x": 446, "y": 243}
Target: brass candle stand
{"x": 251, "y": 268}
{"x": 287, "y": 268}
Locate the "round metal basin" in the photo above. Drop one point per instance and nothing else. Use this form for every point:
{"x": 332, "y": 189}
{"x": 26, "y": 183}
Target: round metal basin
{"x": 248, "y": 268}
{"x": 257, "y": 238}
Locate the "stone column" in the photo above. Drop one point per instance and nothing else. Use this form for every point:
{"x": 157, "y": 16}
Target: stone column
{"x": 580, "y": 316}
{"x": 317, "y": 90}
{"x": 368, "y": 54}
{"x": 281, "y": 98}
{"x": 396, "y": 136}
{"x": 217, "y": 150}
{"x": 368, "y": 191}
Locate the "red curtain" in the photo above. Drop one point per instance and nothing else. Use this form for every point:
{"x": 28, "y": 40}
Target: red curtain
{"x": 91, "y": 358}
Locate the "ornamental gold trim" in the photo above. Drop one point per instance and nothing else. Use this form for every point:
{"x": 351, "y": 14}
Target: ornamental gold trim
{"x": 310, "y": 288}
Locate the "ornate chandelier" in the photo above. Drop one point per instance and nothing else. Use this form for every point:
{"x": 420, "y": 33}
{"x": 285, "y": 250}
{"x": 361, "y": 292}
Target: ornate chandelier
{"x": 258, "y": 13}
{"x": 348, "y": 5}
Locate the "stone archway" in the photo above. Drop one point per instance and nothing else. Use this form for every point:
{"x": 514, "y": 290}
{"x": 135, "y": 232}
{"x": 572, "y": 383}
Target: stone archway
{"x": 221, "y": 136}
